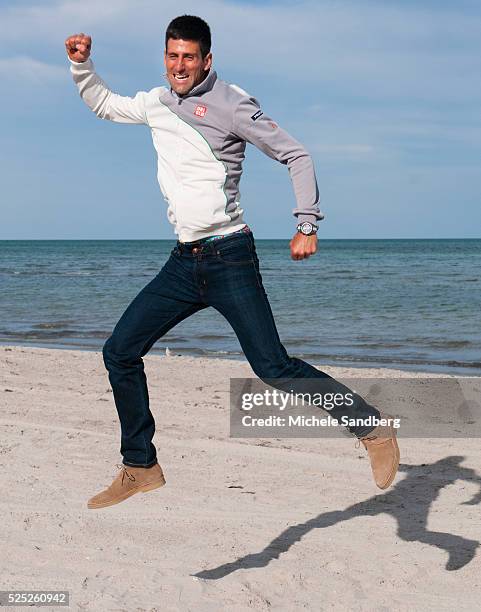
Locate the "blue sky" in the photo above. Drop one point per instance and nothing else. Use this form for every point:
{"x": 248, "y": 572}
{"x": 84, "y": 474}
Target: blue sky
{"x": 385, "y": 95}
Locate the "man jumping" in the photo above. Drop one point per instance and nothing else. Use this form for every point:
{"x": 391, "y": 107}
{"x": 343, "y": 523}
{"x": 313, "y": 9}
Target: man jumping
{"x": 200, "y": 126}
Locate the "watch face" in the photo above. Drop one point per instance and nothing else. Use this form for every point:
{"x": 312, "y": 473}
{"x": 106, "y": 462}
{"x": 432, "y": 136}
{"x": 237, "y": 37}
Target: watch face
{"x": 306, "y": 227}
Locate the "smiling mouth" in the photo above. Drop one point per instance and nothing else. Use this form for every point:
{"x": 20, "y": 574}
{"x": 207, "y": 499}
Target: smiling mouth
{"x": 181, "y": 77}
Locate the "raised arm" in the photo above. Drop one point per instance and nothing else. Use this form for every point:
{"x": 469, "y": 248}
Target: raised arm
{"x": 94, "y": 92}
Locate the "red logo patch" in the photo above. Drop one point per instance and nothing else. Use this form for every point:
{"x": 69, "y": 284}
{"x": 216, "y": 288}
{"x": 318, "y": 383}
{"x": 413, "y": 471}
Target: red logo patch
{"x": 200, "y": 111}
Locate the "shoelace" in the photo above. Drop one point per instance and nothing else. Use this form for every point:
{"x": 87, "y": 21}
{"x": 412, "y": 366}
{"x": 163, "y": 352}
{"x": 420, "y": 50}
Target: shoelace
{"x": 358, "y": 443}
{"x": 125, "y": 473}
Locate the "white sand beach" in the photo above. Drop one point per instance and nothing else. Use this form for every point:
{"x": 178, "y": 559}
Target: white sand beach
{"x": 242, "y": 524}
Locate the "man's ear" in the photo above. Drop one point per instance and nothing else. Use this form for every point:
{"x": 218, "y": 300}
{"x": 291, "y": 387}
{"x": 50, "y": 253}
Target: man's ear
{"x": 208, "y": 62}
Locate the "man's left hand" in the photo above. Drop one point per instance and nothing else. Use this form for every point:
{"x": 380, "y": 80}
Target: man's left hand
{"x": 303, "y": 246}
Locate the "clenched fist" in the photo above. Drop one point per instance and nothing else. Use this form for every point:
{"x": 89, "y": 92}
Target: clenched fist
{"x": 303, "y": 246}
{"x": 78, "y": 47}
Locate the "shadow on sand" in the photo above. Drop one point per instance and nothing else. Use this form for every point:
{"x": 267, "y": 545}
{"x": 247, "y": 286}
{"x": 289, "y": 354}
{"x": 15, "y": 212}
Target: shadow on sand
{"x": 408, "y": 502}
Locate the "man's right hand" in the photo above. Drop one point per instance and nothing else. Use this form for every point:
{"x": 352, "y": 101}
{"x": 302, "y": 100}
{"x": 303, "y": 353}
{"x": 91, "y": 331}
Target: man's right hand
{"x": 78, "y": 47}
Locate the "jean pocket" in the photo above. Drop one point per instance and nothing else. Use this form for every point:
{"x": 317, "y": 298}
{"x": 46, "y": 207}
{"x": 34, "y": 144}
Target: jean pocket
{"x": 235, "y": 255}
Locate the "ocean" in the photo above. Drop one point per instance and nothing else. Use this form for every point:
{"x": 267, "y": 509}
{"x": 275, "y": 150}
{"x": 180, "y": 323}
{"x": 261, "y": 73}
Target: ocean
{"x": 408, "y": 304}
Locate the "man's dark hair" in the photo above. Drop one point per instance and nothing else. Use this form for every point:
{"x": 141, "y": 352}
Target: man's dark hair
{"x": 189, "y": 27}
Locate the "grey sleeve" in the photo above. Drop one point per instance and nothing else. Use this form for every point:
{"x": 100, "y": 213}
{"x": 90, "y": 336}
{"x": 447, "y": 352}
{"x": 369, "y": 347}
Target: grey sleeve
{"x": 104, "y": 103}
{"x": 252, "y": 125}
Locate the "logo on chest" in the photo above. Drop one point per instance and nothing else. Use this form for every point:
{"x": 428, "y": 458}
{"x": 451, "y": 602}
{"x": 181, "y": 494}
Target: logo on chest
{"x": 200, "y": 110}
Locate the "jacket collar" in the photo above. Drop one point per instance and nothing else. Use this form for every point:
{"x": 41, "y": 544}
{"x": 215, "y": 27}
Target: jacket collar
{"x": 206, "y": 85}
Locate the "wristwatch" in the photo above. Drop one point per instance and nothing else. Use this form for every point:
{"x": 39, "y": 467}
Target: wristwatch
{"x": 306, "y": 228}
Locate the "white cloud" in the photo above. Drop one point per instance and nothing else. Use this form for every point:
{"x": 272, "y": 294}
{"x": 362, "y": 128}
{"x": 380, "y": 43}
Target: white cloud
{"x": 360, "y": 48}
{"x": 28, "y": 69}
{"x": 414, "y": 68}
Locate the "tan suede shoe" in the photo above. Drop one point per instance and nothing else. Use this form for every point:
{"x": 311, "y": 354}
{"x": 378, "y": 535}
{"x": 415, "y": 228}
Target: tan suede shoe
{"x": 129, "y": 481}
{"x": 383, "y": 450}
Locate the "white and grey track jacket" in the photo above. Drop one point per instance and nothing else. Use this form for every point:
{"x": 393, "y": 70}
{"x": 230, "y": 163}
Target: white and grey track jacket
{"x": 200, "y": 139}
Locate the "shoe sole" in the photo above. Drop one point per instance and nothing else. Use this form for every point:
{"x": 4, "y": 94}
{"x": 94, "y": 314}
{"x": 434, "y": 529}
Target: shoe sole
{"x": 143, "y": 489}
{"x": 395, "y": 469}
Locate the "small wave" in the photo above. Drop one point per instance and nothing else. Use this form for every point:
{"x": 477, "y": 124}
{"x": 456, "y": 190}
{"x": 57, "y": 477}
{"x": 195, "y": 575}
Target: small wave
{"x": 448, "y": 343}
{"x": 381, "y": 345}
{"x": 436, "y": 343}
{"x": 54, "y": 334}
{"x": 46, "y": 274}
{"x": 213, "y": 336}
{"x": 344, "y": 277}
{"x": 52, "y": 325}
{"x": 406, "y": 361}
{"x": 442, "y": 344}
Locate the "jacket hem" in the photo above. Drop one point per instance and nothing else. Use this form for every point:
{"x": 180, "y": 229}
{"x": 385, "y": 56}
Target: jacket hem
{"x": 228, "y": 228}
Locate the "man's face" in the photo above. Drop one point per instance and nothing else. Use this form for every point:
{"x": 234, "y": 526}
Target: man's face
{"x": 185, "y": 66}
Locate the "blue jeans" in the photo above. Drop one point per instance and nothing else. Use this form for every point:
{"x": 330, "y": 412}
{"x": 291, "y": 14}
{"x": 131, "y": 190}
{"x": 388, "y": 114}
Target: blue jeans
{"x": 223, "y": 274}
